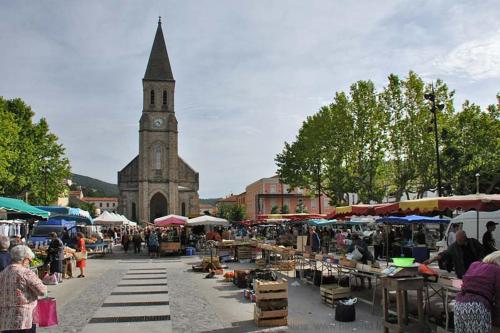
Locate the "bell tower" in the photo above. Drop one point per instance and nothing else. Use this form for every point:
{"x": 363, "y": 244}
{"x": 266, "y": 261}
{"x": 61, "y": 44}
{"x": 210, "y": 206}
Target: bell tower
{"x": 157, "y": 181}
{"x": 158, "y": 162}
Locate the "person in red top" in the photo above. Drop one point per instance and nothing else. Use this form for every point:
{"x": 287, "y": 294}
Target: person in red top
{"x": 80, "y": 247}
{"x": 477, "y": 305}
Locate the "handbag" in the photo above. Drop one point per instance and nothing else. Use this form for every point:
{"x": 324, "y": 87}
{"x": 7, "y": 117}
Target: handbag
{"x": 356, "y": 254}
{"x": 50, "y": 279}
{"x": 47, "y": 312}
{"x": 80, "y": 256}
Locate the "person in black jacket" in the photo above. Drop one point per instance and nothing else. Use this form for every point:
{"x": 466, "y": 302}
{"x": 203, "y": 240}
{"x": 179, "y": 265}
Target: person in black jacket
{"x": 488, "y": 240}
{"x": 461, "y": 254}
{"x": 55, "y": 256}
{"x": 315, "y": 241}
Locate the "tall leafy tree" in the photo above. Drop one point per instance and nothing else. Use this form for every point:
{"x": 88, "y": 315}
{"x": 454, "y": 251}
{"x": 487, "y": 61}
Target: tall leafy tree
{"x": 368, "y": 141}
{"x": 38, "y": 167}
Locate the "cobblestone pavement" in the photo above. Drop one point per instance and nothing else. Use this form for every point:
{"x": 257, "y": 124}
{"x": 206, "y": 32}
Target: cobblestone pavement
{"x": 193, "y": 303}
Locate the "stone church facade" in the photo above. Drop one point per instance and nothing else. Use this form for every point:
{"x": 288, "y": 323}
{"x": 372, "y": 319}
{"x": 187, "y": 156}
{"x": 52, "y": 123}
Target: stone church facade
{"x": 157, "y": 182}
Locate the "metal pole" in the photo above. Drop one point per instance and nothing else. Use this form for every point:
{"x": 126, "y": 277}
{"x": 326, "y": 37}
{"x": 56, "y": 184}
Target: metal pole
{"x": 477, "y": 183}
{"x": 45, "y": 183}
{"x": 477, "y": 210}
{"x": 438, "y": 163}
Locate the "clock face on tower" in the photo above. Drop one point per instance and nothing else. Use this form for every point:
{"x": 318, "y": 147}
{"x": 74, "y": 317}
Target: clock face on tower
{"x": 157, "y": 122}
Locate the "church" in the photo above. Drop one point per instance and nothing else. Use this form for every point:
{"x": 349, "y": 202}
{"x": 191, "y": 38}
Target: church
{"x": 157, "y": 182}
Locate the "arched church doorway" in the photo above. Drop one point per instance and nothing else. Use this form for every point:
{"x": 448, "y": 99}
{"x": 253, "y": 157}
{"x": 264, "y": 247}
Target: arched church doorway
{"x": 157, "y": 207}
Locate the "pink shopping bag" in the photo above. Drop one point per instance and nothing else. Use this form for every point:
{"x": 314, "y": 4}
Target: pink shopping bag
{"x": 47, "y": 312}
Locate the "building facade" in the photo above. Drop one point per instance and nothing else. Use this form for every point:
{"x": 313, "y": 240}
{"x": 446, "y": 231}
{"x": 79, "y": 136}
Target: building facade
{"x": 157, "y": 182}
{"x": 266, "y": 193}
{"x": 109, "y": 204}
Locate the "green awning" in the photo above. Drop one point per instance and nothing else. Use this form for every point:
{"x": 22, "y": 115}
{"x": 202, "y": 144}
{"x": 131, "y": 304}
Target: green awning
{"x": 15, "y": 205}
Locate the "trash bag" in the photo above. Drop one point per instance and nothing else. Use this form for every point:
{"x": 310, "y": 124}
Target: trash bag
{"x": 345, "y": 311}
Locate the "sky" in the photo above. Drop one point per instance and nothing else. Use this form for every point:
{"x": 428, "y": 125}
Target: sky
{"x": 247, "y": 73}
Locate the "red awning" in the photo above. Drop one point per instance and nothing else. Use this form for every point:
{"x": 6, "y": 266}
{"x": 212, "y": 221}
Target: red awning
{"x": 480, "y": 202}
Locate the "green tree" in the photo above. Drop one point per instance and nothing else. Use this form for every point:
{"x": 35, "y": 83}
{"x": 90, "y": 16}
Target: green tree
{"x": 37, "y": 166}
{"x": 368, "y": 141}
{"x": 9, "y": 135}
{"x": 470, "y": 145}
{"x": 236, "y": 213}
{"x": 285, "y": 209}
{"x": 223, "y": 211}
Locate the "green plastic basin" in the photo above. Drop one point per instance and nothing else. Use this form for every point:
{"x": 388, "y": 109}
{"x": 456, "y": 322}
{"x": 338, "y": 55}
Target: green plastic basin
{"x": 403, "y": 262}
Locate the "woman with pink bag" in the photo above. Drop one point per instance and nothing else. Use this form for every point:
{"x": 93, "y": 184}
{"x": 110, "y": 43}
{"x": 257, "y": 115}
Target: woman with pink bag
{"x": 19, "y": 291}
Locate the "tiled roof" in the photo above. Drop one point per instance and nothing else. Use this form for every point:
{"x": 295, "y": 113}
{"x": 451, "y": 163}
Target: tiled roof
{"x": 87, "y": 199}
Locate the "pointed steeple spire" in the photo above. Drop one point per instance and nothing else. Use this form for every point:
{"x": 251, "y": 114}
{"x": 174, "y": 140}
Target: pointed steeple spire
{"x": 158, "y": 65}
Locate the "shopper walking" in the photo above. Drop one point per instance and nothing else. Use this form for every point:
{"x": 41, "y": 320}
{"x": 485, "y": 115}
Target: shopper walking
{"x": 82, "y": 257}
{"x": 55, "y": 256}
{"x": 19, "y": 291}
{"x": 137, "y": 239}
{"x": 4, "y": 252}
{"x": 125, "y": 241}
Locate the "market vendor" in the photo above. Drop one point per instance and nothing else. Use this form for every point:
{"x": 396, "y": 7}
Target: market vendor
{"x": 461, "y": 254}
{"x": 55, "y": 256}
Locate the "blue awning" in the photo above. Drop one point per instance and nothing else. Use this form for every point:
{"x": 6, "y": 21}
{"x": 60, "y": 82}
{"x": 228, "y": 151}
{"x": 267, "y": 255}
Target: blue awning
{"x": 410, "y": 219}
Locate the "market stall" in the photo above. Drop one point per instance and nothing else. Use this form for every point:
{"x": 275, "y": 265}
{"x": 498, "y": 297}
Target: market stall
{"x": 411, "y": 248}
{"x": 170, "y": 240}
{"x": 477, "y": 202}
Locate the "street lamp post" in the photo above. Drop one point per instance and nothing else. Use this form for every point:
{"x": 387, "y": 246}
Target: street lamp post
{"x": 477, "y": 183}
{"x": 434, "y": 107}
{"x": 477, "y": 210}
{"x": 45, "y": 175}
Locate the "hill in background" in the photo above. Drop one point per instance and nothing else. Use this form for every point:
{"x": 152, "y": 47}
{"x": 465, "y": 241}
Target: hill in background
{"x": 92, "y": 187}
{"x": 209, "y": 201}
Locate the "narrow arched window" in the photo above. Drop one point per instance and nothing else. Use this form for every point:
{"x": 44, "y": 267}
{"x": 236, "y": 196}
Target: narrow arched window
{"x": 158, "y": 157}
{"x": 152, "y": 97}
{"x": 183, "y": 209}
{"x": 164, "y": 97}
{"x": 134, "y": 213}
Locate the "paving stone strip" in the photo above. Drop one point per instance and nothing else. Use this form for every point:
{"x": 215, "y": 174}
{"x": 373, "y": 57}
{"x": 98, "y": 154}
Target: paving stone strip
{"x": 75, "y": 314}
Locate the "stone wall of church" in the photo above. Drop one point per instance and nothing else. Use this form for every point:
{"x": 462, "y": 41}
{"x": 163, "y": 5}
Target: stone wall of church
{"x": 191, "y": 201}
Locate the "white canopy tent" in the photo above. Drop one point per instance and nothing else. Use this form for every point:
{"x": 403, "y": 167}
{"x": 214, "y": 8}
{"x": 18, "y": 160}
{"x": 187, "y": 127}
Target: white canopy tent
{"x": 207, "y": 220}
{"x": 107, "y": 218}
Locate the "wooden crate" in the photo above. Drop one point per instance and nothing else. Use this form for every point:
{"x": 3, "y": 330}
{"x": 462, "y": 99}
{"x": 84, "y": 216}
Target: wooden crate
{"x": 260, "y": 263}
{"x": 244, "y": 252}
{"x": 270, "y": 317}
{"x": 262, "y": 286}
{"x": 285, "y": 265}
{"x": 333, "y": 292}
{"x": 269, "y": 322}
{"x": 271, "y": 290}
{"x": 347, "y": 263}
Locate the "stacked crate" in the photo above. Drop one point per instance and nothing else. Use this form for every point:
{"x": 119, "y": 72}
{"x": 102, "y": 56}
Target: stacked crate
{"x": 330, "y": 293}
{"x": 260, "y": 263}
{"x": 285, "y": 265}
{"x": 271, "y": 302}
{"x": 244, "y": 252}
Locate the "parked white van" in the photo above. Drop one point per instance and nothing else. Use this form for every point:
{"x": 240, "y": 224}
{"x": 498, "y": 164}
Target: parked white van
{"x": 468, "y": 222}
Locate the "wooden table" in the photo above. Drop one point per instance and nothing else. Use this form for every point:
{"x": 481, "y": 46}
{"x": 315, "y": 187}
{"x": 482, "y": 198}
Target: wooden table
{"x": 402, "y": 286}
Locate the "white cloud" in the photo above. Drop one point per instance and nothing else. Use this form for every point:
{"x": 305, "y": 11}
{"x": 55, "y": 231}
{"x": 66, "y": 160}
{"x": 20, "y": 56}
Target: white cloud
{"x": 476, "y": 59}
